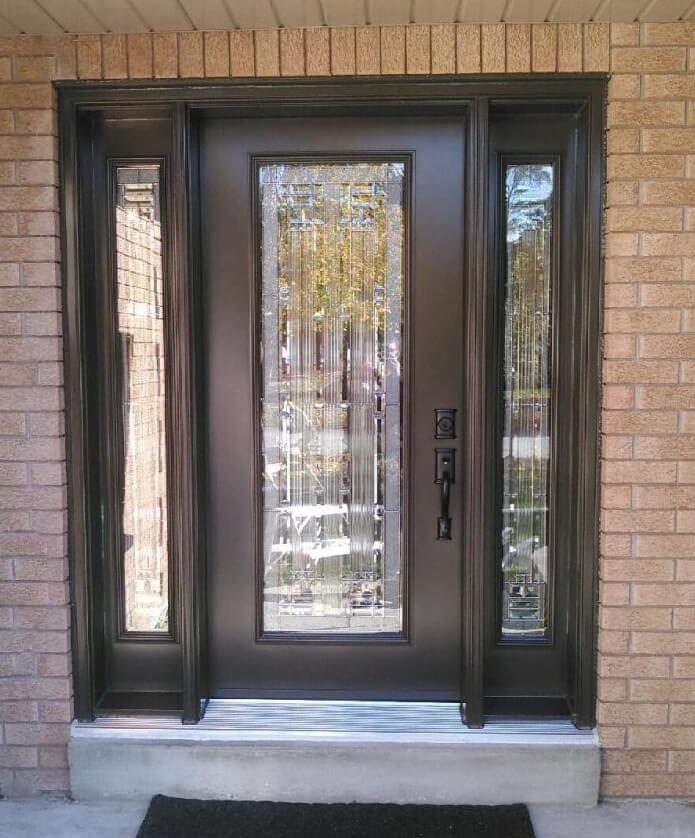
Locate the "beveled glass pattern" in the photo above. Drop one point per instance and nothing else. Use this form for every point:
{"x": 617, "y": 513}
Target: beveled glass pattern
{"x": 332, "y": 239}
{"x": 527, "y": 401}
{"x": 140, "y": 330}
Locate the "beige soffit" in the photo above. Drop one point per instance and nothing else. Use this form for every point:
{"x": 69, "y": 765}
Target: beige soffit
{"x": 52, "y": 17}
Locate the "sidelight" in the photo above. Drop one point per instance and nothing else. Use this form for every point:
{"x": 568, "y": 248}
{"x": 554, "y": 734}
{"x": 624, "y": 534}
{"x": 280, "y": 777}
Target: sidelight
{"x": 332, "y": 301}
{"x": 526, "y": 421}
{"x": 140, "y": 380}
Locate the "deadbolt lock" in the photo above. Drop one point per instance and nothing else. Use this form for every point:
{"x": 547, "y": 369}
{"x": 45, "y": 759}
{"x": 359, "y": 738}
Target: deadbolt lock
{"x": 445, "y": 423}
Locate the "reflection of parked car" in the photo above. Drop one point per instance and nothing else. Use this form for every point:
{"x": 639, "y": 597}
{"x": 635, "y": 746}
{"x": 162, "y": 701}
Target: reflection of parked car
{"x": 365, "y": 598}
{"x": 302, "y": 603}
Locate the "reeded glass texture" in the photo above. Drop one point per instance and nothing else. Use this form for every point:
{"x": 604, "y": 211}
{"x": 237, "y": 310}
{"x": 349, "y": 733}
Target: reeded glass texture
{"x": 527, "y": 401}
{"x": 332, "y": 322}
{"x": 140, "y": 328}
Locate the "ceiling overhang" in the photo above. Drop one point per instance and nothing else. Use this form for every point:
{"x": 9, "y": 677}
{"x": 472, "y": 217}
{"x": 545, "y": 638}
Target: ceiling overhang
{"x": 54, "y": 17}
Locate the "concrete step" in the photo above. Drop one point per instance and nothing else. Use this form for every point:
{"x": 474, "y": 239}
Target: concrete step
{"x": 396, "y": 752}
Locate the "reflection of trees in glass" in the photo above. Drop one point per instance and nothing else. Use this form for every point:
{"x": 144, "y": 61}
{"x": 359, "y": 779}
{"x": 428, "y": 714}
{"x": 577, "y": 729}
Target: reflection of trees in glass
{"x": 528, "y": 190}
{"x": 526, "y": 395}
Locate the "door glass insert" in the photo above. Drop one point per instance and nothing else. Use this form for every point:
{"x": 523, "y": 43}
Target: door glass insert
{"x": 140, "y": 333}
{"x": 527, "y": 401}
{"x": 332, "y": 301}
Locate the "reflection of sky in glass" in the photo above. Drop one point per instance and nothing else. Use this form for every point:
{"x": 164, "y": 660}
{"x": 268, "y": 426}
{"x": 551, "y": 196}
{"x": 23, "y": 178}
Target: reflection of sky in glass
{"x": 332, "y": 249}
{"x": 528, "y": 188}
{"x": 526, "y": 432}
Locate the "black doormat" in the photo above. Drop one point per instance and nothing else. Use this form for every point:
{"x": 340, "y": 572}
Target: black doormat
{"x": 176, "y": 817}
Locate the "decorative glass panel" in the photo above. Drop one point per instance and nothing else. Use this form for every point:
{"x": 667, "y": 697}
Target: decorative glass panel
{"x": 527, "y": 401}
{"x": 140, "y": 325}
{"x": 332, "y": 321}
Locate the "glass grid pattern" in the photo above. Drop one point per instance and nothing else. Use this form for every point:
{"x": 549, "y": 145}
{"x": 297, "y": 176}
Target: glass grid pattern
{"x": 527, "y": 401}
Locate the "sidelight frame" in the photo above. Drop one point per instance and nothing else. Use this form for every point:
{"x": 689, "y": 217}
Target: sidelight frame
{"x": 131, "y": 669}
{"x": 81, "y": 105}
{"x": 517, "y": 676}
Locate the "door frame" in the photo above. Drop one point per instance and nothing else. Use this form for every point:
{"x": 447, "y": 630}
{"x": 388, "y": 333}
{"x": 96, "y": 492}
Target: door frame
{"x": 81, "y": 105}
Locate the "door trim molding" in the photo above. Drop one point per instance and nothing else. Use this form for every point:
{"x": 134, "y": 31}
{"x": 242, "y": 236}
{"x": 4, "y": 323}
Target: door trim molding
{"x": 80, "y": 104}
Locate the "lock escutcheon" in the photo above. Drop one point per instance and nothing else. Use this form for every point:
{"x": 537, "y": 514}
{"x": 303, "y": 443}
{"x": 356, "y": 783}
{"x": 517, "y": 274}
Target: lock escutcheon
{"x": 445, "y": 423}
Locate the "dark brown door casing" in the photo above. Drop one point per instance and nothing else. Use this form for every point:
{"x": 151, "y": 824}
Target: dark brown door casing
{"x": 203, "y": 138}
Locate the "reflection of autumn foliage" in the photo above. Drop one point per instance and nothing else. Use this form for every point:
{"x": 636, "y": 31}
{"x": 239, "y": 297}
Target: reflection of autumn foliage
{"x": 333, "y": 241}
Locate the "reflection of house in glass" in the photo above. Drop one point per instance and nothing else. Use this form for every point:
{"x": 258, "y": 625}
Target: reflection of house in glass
{"x": 140, "y": 301}
{"x": 331, "y": 396}
{"x": 527, "y": 401}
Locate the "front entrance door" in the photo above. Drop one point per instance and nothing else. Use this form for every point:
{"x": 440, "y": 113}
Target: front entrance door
{"x": 272, "y": 335}
{"x": 333, "y": 272}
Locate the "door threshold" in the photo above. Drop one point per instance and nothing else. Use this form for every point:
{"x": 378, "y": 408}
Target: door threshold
{"x": 296, "y": 719}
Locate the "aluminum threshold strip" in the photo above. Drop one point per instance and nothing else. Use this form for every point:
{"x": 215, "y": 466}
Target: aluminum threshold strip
{"x": 343, "y": 719}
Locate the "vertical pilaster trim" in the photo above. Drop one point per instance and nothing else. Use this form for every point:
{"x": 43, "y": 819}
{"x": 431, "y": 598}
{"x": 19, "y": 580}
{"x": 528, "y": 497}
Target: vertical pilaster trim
{"x": 76, "y": 424}
{"x": 589, "y": 403}
{"x": 185, "y": 538}
{"x": 476, "y": 439}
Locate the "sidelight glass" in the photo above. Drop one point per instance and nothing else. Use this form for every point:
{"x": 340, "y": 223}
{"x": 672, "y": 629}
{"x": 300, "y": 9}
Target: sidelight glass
{"x": 332, "y": 259}
{"x": 527, "y": 401}
{"x": 140, "y": 331}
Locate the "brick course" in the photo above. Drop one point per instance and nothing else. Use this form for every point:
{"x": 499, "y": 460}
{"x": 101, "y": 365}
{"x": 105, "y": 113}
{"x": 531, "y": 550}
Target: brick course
{"x": 646, "y": 659}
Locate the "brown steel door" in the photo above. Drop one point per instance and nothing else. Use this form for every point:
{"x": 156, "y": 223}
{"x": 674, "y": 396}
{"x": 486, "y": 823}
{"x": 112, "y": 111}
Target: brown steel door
{"x": 333, "y": 306}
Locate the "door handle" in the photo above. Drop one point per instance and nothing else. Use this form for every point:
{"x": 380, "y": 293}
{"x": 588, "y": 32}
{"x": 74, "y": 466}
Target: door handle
{"x": 444, "y": 475}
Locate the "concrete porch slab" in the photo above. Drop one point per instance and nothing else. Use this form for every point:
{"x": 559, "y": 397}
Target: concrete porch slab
{"x": 121, "y": 818}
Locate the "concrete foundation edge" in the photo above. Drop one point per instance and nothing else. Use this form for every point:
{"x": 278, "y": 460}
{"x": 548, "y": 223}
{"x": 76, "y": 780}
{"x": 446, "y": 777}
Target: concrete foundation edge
{"x": 564, "y": 774}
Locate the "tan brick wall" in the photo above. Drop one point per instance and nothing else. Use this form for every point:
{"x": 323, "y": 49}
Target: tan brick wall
{"x": 35, "y": 686}
{"x": 647, "y": 616}
{"x": 647, "y": 637}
